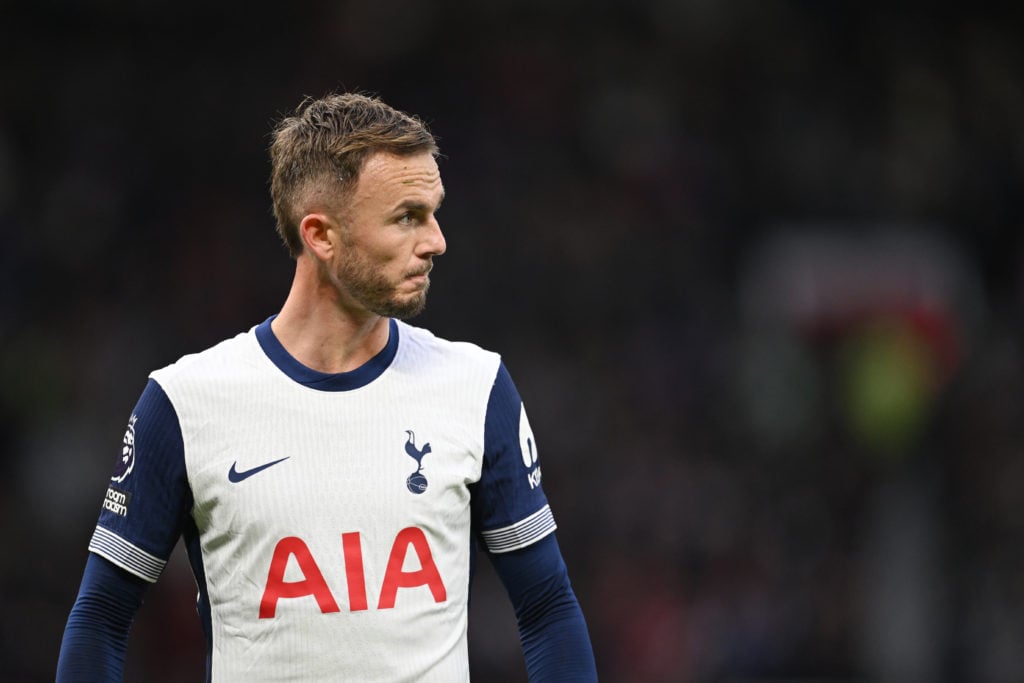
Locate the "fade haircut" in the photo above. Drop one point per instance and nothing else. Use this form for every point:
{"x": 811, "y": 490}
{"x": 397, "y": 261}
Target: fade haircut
{"x": 319, "y": 151}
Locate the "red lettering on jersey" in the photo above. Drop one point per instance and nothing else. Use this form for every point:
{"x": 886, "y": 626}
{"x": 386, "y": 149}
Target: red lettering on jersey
{"x": 353, "y": 550}
{"x": 426, "y": 575}
{"x": 313, "y": 583}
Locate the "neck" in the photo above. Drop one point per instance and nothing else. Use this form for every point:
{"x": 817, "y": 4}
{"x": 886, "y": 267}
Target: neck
{"x": 322, "y": 334}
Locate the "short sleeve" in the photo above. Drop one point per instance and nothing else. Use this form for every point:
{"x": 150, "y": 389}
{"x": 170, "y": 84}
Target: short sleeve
{"x": 148, "y": 498}
{"x": 509, "y": 506}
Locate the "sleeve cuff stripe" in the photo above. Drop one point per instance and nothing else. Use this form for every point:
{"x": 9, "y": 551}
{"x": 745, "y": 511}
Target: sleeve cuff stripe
{"x": 522, "y": 533}
{"x": 125, "y": 555}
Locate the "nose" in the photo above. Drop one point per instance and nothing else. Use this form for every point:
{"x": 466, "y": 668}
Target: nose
{"x": 433, "y": 243}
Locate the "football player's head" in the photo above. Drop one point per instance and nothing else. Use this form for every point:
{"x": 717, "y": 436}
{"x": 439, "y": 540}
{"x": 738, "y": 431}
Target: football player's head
{"x": 318, "y": 152}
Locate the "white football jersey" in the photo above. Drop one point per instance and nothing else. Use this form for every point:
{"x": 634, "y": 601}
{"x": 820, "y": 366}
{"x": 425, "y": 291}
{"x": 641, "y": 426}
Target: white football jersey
{"x": 328, "y": 517}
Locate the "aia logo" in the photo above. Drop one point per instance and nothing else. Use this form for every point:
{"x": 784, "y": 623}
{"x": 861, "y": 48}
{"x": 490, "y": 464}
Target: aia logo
{"x": 528, "y": 448}
{"x": 416, "y": 482}
{"x": 126, "y": 463}
{"x": 292, "y": 550}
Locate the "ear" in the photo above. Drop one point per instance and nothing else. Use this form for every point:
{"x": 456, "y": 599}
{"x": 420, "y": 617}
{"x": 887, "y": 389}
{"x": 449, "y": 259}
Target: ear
{"x": 315, "y": 230}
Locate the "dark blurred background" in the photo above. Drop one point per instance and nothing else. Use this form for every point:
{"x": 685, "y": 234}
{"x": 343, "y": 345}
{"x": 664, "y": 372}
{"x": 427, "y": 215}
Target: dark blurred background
{"x": 754, "y": 265}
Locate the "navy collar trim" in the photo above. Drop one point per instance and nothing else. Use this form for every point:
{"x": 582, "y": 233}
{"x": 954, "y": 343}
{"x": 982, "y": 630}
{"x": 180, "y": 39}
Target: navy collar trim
{"x": 326, "y": 381}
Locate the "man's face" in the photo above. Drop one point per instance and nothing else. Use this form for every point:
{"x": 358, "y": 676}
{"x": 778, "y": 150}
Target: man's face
{"x": 388, "y": 236}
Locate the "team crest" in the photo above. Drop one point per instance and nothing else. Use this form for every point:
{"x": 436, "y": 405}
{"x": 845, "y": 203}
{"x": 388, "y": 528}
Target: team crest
{"x": 126, "y": 463}
{"x": 416, "y": 482}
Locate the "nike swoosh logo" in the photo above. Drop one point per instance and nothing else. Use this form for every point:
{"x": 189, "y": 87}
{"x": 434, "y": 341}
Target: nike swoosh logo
{"x": 234, "y": 476}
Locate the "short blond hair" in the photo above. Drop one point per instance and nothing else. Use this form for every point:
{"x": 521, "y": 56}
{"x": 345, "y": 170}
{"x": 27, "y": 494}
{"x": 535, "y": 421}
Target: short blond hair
{"x": 323, "y": 147}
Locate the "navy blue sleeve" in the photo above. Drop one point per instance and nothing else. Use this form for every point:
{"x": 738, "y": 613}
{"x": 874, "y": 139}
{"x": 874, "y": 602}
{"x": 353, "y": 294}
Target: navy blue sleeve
{"x": 96, "y": 635}
{"x": 141, "y": 517}
{"x": 552, "y": 629}
{"x": 510, "y": 510}
{"x": 148, "y": 499}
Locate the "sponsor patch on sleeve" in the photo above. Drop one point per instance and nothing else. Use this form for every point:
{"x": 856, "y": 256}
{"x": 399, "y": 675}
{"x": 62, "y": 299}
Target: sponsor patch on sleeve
{"x": 116, "y": 501}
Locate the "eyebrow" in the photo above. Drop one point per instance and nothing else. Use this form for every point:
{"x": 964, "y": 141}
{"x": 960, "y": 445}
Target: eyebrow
{"x": 414, "y": 205}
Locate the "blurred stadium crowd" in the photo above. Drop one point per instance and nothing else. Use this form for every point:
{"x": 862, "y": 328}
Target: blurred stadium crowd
{"x": 754, "y": 265}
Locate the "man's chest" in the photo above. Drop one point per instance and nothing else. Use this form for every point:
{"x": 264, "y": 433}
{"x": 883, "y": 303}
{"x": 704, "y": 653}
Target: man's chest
{"x": 322, "y": 464}
{"x": 347, "y": 504}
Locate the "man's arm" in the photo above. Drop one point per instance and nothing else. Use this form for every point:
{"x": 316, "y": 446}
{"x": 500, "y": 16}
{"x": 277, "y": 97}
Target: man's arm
{"x": 514, "y": 523}
{"x": 96, "y": 635}
{"x": 551, "y": 624}
{"x": 147, "y": 501}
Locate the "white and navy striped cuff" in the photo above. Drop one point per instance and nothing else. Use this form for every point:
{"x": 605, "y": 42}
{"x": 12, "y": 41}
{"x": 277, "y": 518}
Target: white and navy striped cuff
{"x": 521, "y": 534}
{"x": 106, "y": 543}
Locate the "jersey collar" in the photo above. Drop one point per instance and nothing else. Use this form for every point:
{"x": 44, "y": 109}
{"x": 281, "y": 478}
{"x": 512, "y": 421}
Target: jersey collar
{"x": 326, "y": 381}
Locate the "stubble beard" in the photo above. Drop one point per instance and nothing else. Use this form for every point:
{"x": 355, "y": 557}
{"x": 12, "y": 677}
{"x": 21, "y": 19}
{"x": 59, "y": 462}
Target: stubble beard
{"x": 374, "y": 292}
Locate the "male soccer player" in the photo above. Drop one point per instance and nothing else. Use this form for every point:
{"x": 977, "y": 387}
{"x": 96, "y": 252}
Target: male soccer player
{"x": 330, "y": 468}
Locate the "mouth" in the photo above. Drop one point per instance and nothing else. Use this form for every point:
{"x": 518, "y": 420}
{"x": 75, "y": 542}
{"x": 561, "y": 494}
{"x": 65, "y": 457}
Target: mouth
{"x": 419, "y": 279}
{"x": 421, "y": 275}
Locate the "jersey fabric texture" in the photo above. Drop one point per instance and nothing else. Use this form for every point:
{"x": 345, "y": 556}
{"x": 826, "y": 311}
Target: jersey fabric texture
{"x": 328, "y": 518}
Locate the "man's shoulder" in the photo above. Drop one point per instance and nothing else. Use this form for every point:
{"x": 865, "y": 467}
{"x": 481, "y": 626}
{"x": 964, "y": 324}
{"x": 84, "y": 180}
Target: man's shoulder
{"x": 424, "y": 354}
{"x": 420, "y": 341}
{"x": 227, "y": 356}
